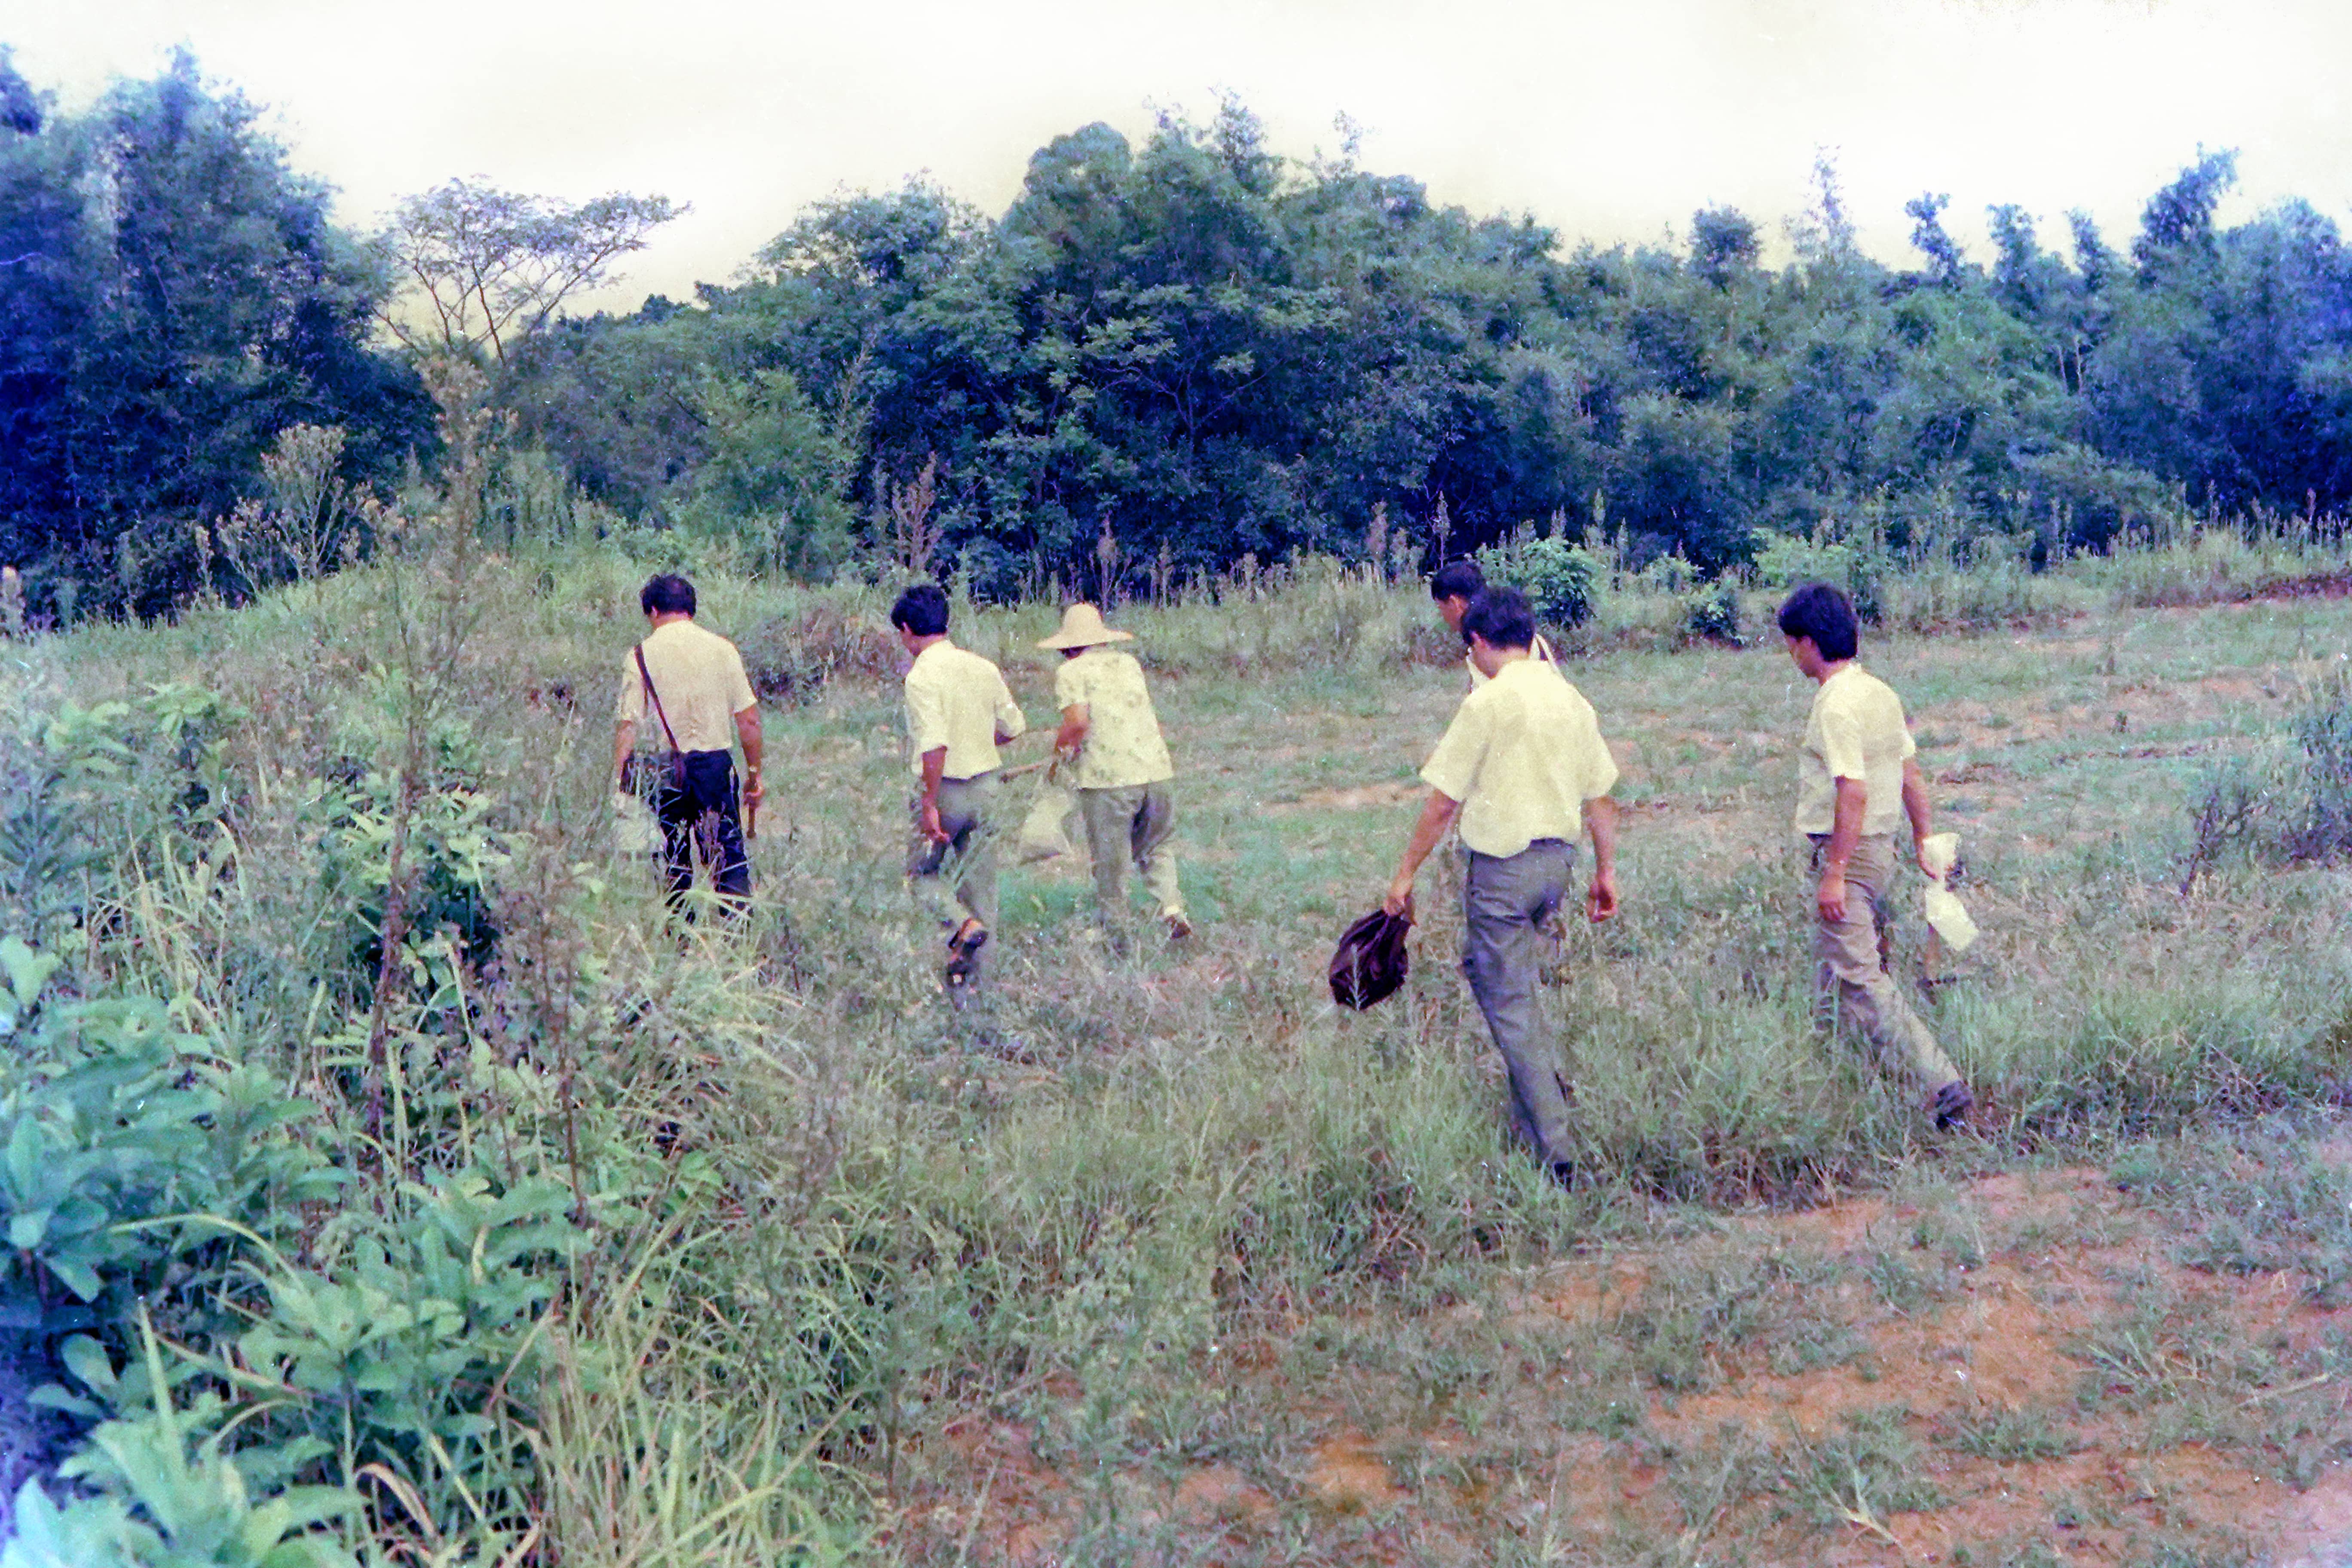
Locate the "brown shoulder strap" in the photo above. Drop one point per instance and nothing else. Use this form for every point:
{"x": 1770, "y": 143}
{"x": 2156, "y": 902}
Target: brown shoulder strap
{"x": 654, "y": 698}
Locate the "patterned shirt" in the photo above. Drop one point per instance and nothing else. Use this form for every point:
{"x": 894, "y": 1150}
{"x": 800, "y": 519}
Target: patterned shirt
{"x": 1123, "y": 744}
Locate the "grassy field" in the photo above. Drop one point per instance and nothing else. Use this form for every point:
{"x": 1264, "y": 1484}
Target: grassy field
{"x": 1169, "y": 1261}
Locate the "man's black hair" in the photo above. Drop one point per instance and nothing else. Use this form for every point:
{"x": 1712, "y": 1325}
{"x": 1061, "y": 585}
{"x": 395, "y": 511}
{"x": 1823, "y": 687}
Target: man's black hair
{"x": 922, "y": 610}
{"x": 1500, "y": 616}
{"x": 668, "y": 594}
{"x": 1456, "y": 580}
{"x": 1823, "y": 611}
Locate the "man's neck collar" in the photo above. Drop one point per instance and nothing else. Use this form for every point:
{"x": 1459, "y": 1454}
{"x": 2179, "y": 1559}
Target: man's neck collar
{"x": 924, "y": 645}
{"x": 1505, "y": 657}
{"x": 661, "y": 618}
{"x": 1833, "y": 668}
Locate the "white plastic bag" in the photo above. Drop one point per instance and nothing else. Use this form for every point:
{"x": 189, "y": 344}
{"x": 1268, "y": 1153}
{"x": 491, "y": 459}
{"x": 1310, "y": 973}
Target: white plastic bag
{"x": 634, "y": 832}
{"x": 1946, "y": 915}
{"x": 1045, "y": 832}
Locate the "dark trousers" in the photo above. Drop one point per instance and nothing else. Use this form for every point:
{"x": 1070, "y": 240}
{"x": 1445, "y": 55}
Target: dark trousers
{"x": 703, "y": 812}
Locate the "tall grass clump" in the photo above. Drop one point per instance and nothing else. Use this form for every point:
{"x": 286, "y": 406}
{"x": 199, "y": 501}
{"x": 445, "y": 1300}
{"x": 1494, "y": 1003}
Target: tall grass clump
{"x": 2291, "y": 803}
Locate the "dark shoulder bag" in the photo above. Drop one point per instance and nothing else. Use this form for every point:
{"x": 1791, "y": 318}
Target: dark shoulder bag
{"x": 677, "y": 757}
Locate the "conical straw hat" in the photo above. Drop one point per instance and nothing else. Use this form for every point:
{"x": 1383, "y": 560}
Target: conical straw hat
{"x": 1082, "y": 626}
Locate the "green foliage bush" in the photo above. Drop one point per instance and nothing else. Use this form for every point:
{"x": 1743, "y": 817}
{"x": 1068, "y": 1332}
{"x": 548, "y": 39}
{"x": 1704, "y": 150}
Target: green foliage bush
{"x": 1558, "y": 577}
{"x": 1711, "y": 611}
{"x": 450, "y": 854}
{"x": 772, "y": 476}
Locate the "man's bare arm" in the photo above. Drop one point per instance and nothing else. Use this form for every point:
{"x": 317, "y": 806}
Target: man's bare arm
{"x": 1916, "y": 807}
{"x": 1845, "y": 832}
{"x": 935, "y": 762}
{"x": 1437, "y": 814}
{"x": 1601, "y": 822}
{"x": 746, "y": 730}
{"x": 1071, "y": 738}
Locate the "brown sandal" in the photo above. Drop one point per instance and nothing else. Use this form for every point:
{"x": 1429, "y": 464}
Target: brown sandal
{"x": 969, "y": 939}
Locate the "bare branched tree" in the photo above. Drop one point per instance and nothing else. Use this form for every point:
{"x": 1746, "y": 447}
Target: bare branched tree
{"x": 493, "y": 265}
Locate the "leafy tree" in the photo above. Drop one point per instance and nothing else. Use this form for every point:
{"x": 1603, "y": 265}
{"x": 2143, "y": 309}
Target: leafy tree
{"x": 1723, "y": 244}
{"x": 176, "y": 296}
{"x": 2176, "y": 227}
{"x": 615, "y": 398}
{"x": 1947, "y": 268}
{"x": 772, "y": 476}
{"x": 492, "y": 266}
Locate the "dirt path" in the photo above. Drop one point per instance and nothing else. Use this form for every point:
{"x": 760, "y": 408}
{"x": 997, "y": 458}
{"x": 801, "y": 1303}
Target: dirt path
{"x": 1974, "y": 1374}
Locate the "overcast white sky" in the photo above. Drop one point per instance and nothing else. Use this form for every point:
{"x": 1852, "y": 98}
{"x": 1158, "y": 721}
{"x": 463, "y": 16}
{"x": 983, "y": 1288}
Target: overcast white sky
{"x": 1609, "y": 121}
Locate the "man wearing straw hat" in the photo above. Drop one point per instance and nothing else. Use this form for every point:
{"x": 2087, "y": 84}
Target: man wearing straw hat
{"x": 958, "y": 710}
{"x": 1117, "y": 762}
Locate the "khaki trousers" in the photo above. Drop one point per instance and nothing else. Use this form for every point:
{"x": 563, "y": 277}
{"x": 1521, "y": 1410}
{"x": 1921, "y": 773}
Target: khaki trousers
{"x": 958, "y": 879}
{"x": 1505, "y": 902}
{"x": 1130, "y": 822}
{"x": 1850, "y": 965}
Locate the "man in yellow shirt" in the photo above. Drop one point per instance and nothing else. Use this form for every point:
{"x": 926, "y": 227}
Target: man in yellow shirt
{"x": 1117, "y": 761}
{"x": 1523, "y": 771}
{"x": 693, "y": 682}
{"x": 1857, "y": 778}
{"x": 958, "y": 710}
{"x": 1452, "y": 586}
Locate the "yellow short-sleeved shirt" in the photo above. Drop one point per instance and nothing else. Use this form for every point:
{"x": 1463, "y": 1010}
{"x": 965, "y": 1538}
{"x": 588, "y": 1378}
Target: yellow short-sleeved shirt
{"x": 959, "y": 701}
{"x": 698, "y": 675}
{"x": 1539, "y": 650}
{"x": 1522, "y": 755}
{"x": 1856, "y": 731}
{"x": 1124, "y": 745}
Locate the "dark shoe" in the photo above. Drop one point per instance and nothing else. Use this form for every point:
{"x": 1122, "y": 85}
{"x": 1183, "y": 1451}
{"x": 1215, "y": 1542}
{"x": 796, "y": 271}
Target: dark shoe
{"x": 1950, "y": 1105}
{"x": 1179, "y": 928}
{"x": 968, "y": 940}
{"x": 1562, "y": 1173}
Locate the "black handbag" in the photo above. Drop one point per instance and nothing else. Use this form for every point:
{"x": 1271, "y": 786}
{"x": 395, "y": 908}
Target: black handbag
{"x": 1370, "y": 964}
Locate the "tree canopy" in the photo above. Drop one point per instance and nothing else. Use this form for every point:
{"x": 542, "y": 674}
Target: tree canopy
{"x": 1172, "y": 353}
{"x": 171, "y": 296}
{"x": 1211, "y": 350}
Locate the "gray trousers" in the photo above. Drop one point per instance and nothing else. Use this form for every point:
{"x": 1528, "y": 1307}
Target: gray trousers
{"x": 1133, "y": 821}
{"x": 1850, "y": 965}
{"x": 1504, "y": 902}
{"x": 958, "y": 879}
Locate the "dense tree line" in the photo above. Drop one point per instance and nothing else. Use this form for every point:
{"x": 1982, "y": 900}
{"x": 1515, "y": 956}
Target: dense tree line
{"x": 171, "y": 296}
{"x": 1161, "y": 357}
{"x": 1209, "y": 351}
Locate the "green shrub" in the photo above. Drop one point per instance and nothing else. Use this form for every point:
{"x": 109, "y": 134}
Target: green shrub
{"x": 153, "y": 1504}
{"x": 448, "y": 857}
{"x": 1783, "y": 561}
{"x": 1557, "y": 577}
{"x": 1711, "y": 612}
